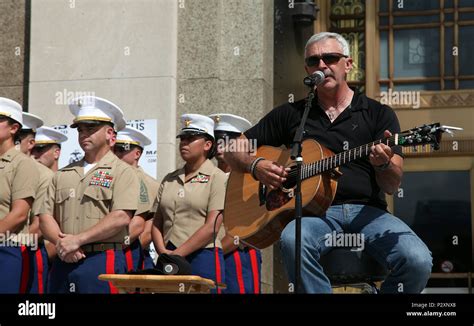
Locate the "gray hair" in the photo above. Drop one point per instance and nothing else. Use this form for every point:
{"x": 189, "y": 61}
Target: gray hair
{"x": 326, "y": 35}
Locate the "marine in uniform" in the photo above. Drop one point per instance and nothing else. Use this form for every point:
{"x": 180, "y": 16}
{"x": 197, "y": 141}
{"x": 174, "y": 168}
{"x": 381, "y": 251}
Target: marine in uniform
{"x": 36, "y": 264}
{"x": 242, "y": 264}
{"x": 47, "y": 149}
{"x": 190, "y": 202}
{"x": 129, "y": 147}
{"x": 90, "y": 204}
{"x": 19, "y": 180}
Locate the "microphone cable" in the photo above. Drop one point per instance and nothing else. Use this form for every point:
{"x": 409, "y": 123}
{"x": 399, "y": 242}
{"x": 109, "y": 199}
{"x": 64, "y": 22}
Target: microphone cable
{"x": 215, "y": 249}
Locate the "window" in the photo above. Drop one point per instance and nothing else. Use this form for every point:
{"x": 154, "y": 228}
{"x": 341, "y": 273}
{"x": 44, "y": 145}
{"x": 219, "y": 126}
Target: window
{"x": 348, "y": 19}
{"x": 426, "y": 45}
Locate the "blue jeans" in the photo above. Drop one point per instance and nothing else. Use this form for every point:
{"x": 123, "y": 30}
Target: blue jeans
{"x": 386, "y": 238}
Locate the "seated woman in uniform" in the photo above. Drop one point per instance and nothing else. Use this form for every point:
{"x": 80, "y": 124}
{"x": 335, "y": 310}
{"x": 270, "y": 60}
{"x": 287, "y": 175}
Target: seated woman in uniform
{"x": 190, "y": 202}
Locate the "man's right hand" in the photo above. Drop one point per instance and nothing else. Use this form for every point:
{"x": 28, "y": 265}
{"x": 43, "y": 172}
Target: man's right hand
{"x": 73, "y": 257}
{"x": 271, "y": 174}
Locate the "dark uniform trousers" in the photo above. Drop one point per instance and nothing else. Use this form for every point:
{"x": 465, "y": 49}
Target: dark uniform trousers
{"x": 242, "y": 271}
{"x": 35, "y": 270}
{"x": 207, "y": 263}
{"x": 137, "y": 258}
{"x": 82, "y": 277}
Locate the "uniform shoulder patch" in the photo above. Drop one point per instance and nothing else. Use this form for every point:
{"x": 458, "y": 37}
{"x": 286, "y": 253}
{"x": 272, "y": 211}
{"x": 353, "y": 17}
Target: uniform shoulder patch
{"x": 143, "y": 193}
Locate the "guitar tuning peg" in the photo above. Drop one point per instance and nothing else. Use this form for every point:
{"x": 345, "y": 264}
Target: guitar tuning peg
{"x": 450, "y": 129}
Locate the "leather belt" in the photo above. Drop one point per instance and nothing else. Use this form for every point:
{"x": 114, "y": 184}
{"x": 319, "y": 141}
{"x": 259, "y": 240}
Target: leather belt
{"x": 99, "y": 247}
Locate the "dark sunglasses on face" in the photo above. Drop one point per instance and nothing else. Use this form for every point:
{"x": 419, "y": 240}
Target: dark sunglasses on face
{"x": 328, "y": 58}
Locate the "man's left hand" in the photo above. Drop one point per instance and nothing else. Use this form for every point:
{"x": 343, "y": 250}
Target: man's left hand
{"x": 381, "y": 154}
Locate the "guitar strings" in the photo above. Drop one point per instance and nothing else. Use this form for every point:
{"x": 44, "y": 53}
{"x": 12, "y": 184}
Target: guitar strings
{"x": 293, "y": 173}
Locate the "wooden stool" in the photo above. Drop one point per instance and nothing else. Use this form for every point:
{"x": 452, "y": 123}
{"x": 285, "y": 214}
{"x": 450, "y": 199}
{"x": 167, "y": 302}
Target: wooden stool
{"x": 161, "y": 283}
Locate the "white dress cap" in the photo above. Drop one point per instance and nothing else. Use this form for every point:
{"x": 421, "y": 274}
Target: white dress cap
{"x": 92, "y": 109}
{"x": 47, "y": 135}
{"x": 31, "y": 121}
{"x": 11, "y": 109}
{"x": 194, "y": 124}
{"x": 230, "y": 122}
{"x": 132, "y": 136}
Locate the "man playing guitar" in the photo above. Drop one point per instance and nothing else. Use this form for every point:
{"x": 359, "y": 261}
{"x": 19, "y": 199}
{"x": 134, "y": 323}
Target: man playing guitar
{"x": 342, "y": 118}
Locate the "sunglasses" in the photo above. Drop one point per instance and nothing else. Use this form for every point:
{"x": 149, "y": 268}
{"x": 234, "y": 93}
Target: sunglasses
{"x": 328, "y": 58}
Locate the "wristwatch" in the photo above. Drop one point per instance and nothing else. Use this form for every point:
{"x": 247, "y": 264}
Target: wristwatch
{"x": 382, "y": 167}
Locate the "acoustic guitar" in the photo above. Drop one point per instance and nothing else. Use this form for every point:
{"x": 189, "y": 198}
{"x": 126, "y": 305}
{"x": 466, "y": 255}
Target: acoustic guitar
{"x": 257, "y": 216}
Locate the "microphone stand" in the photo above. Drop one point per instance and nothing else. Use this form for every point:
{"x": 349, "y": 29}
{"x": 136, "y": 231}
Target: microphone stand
{"x": 296, "y": 155}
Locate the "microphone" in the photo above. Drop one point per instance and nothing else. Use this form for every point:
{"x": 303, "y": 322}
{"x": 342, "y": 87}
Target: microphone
{"x": 314, "y": 79}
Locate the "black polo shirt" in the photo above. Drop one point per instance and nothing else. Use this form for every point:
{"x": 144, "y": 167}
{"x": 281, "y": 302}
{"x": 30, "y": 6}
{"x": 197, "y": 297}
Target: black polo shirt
{"x": 362, "y": 122}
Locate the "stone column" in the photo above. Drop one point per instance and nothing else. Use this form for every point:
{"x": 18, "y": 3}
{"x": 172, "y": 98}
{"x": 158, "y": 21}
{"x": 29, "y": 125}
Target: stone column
{"x": 225, "y": 65}
{"x": 13, "y": 49}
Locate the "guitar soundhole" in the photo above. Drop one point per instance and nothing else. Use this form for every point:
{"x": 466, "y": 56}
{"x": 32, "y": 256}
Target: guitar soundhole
{"x": 276, "y": 199}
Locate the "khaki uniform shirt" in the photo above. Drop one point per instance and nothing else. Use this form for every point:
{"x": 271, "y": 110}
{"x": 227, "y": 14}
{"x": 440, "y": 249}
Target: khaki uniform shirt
{"x": 185, "y": 206}
{"x": 19, "y": 179}
{"x": 148, "y": 192}
{"x": 45, "y": 177}
{"x": 78, "y": 201}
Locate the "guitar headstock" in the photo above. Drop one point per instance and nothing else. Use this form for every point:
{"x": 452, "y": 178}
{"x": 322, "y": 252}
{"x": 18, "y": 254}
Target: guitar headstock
{"x": 426, "y": 134}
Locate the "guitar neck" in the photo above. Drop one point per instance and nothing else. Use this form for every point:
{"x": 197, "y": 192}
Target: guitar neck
{"x": 329, "y": 163}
